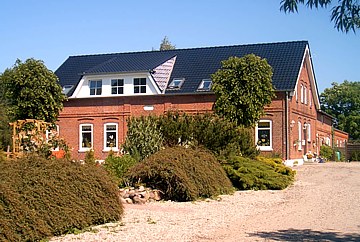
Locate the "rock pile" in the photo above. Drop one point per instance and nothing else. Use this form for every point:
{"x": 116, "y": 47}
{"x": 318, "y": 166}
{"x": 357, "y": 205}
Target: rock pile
{"x": 139, "y": 195}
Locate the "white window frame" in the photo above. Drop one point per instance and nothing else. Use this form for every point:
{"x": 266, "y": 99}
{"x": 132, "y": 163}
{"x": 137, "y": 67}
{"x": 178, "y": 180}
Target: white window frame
{"x": 140, "y": 86}
{"x": 81, "y": 148}
{"x": 202, "y": 84}
{"x": 96, "y": 87}
{"x": 51, "y": 132}
{"x": 305, "y": 95}
{"x": 176, "y": 83}
{"x": 117, "y": 87}
{"x": 308, "y": 132}
{"x": 300, "y": 130}
{"x": 302, "y": 93}
{"x": 116, "y": 147}
{"x": 264, "y": 148}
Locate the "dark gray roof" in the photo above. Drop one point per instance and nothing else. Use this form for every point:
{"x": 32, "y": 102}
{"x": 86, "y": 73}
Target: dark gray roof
{"x": 192, "y": 64}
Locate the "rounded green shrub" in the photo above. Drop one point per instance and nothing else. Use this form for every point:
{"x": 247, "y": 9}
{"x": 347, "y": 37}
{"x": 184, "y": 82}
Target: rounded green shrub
{"x": 182, "y": 174}
{"x": 247, "y": 174}
{"x": 118, "y": 166}
{"x": 41, "y": 198}
{"x": 326, "y": 152}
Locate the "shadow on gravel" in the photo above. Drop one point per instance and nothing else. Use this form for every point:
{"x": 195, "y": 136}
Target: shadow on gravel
{"x": 306, "y": 235}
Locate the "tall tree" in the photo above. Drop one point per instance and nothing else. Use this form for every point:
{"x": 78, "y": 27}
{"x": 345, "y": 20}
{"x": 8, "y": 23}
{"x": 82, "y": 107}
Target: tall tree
{"x": 166, "y": 44}
{"x": 32, "y": 91}
{"x": 343, "y": 102}
{"x": 5, "y": 132}
{"x": 243, "y": 87}
{"x": 345, "y": 14}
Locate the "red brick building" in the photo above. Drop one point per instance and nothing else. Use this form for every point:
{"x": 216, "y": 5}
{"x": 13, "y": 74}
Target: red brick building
{"x": 104, "y": 90}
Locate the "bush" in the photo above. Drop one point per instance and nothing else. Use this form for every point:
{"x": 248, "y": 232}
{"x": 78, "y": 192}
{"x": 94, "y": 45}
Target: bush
{"x": 143, "y": 137}
{"x": 261, "y": 174}
{"x": 326, "y": 152}
{"x": 355, "y": 156}
{"x": 182, "y": 174}
{"x": 118, "y": 166}
{"x": 41, "y": 198}
{"x": 220, "y": 136}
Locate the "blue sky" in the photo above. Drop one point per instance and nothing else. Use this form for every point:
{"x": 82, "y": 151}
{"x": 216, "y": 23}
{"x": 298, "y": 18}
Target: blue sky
{"x": 53, "y": 30}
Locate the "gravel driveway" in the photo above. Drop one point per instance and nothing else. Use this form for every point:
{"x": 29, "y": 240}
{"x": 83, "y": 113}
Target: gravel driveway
{"x": 322, "y": 205}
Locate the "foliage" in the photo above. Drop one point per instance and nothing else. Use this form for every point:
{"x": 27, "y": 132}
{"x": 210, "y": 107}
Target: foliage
{"x": 32, "y": 91}
{"x": 345, "y": 15}
{"x": 343, "y": 102}
{"x": 183, "y": 174}
{"x": 166, "y": 44}
{"x": 40, "y": 198}
{"x": 260, "y": 174}
{"x": 326, "y": 152}
{"x": 119, "y": 165}
{"x": 90, "y": 157}
{"x": 355, "y": 156}
{"x": 5, "y": 132}
{"x": 143, "y": 137}
{"x": 243, "y": 87}
{"x": 220, "y": 136}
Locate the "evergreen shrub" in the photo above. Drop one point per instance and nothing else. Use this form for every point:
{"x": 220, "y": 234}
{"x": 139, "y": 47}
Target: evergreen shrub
{"x": 118, "y": 166}
{"x": 40, "y": 198}
{"x": 261, "y": 174}
{"x": 326, "y": 152}
{"x": 143, "y": 137}
{"x": 182, "y": 174}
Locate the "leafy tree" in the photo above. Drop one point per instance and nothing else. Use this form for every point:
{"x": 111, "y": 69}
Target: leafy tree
{"x": 243, "y": 87}
{"x": 345, "y": 15}
{"x": 5, "y": 132}
{"x": 32, "y": 91}
{"x": 166, "y": 44}
{"x": 343, "y": 102}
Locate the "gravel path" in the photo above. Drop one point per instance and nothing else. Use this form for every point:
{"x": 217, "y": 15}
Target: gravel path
{"x": 322, "y": 205}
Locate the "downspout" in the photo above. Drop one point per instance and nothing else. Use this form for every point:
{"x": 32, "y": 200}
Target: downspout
{"x": 287, "y": 125}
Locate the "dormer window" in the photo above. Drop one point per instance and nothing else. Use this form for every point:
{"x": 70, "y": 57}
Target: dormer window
{"x": 176, "y": 83}
{"x": 67, "y": 88}
{"x": 95, "y": 87}
{"x": 205, "y": 85}
{"x": 139, "y": 85}
{"x": 117, "y": 86}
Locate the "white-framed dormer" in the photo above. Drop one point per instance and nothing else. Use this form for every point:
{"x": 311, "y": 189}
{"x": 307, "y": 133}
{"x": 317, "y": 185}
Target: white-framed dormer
{"x": 263, "y": 135}
{"x": 118, "y": 84}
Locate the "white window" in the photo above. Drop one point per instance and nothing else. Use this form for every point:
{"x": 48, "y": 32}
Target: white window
{"x": 176, "y": 83}
{"x": 51, "y": 134}
{"x": 309, "y": 132}
{"x": 310, "y": 98}
{"x": 299, "y": 135}
{"x": 117, "y": 86}
{"x": 95, "y": 87}
{"x": 263, "y": 135}
{"x": 305, "y": 95}
{"x": 111, "y": 136}
{"x": 86, "y": 137}
{"x": 205, "y": 85}
{"x": 139, "y": 85}
{"x": 302, "y": 93}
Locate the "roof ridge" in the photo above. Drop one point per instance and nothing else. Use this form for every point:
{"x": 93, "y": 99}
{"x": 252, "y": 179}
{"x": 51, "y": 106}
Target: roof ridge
{"x": 191, "y": 48}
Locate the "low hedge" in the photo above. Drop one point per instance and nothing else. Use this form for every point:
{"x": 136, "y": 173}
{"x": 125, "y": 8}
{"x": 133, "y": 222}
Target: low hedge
{"x": 182, "y": 174}
{"x": 258, "y": 174}
{"x": 41, "y": 198}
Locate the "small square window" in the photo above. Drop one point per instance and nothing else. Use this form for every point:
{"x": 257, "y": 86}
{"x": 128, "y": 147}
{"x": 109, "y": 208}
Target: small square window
{"x": 139, "y": 85}
{"x": 95, "y": 87}
{"x": 117, "y": 86}
{"x": 205, "y": 85}
{"x": 176, "y": 83}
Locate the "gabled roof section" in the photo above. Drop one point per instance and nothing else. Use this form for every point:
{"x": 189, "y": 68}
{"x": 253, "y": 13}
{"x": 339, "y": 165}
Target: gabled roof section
{"x": 194, "y": 65}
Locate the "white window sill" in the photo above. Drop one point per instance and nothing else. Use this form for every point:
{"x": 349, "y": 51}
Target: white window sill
{"x": 84, "y": 150}
{"x": 108, "y": 150}
{"x": 265, "y": 148}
